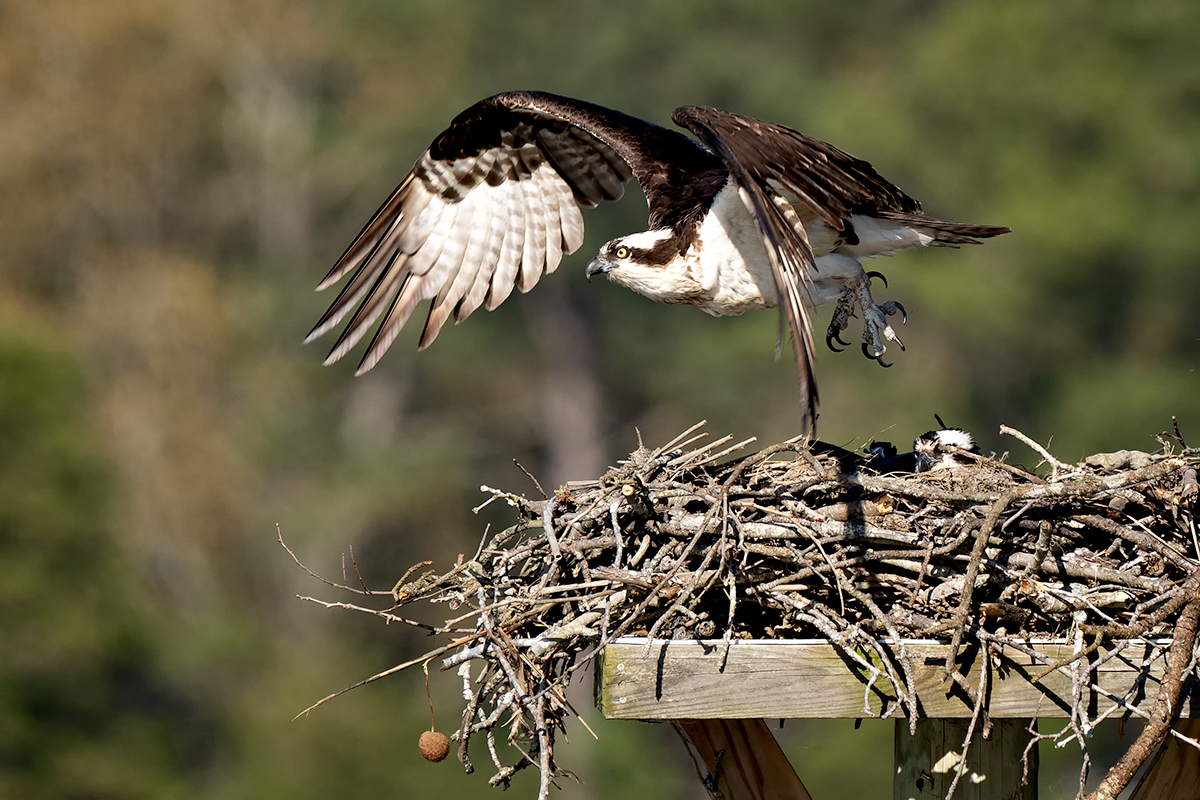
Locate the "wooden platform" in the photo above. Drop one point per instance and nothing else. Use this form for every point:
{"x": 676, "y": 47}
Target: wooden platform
{"x": 719, "y": 711}
{"x": 810, "y": 679}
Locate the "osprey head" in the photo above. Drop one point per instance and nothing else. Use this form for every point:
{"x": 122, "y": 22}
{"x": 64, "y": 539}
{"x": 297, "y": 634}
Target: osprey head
{"x": 626, "y": 256}
{"x": 939, "y": 449}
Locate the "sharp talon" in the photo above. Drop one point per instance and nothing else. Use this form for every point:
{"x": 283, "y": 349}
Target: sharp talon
{"x": 879, "y": 275}
{"x": 879, "y": 358}
{"x": 838, "y": 337}
{"x": 892, "y": 337}
{"x": 892, "y": 308}
{"x": 829, "y": 342}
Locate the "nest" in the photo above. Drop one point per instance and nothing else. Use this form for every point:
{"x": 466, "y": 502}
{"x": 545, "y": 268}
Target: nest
{"x": 794, "y": 541}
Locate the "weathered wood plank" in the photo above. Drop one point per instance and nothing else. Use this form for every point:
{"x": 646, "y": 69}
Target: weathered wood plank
{"x": 810, "y": 679}
{"x": 741, "y": 758}
{"x": 926, "y": 763}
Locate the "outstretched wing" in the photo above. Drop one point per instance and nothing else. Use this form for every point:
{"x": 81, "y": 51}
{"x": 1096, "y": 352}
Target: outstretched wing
{"x": 491, "y": 205}
{"x": 763, "y": 159}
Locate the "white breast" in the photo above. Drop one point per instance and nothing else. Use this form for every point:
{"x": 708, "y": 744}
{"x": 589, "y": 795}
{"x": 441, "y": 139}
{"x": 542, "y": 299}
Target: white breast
{"x": 729, "y": 260}
{"x": 726, "y": 271}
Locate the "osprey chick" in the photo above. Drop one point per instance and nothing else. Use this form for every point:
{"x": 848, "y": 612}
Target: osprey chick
{"x": 941, "y": 449}
{"x": 753, "y": 215}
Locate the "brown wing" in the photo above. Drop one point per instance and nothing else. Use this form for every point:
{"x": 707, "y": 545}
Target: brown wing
{"x": 492, "y": 205}
{"x": 833, "y": 184}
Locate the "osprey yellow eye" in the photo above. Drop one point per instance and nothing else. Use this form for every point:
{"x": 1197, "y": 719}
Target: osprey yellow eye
{"x": 622, "y": 252}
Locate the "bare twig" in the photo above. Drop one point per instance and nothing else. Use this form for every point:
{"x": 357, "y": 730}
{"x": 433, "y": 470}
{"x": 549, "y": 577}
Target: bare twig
{"x": 968, "y": 590}
{"x": 342, "y": 586}
{"x": 1055, "y": 464}
{"x": 1166, "y": 707}
{"x": 980, "y": 694}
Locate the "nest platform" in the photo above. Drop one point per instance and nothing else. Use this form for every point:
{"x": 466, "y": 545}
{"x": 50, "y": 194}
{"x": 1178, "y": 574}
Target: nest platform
{"x": 712, "y": 585}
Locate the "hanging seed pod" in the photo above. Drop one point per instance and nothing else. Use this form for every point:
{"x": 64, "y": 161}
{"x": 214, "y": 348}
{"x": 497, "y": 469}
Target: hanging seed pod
{"x": 433, "y": 745}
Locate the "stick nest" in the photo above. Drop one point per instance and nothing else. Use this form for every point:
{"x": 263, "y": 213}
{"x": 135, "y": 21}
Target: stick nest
{"x": 687, "y": 542}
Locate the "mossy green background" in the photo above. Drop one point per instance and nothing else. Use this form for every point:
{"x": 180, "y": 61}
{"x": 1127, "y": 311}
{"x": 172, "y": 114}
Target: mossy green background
{"x": 178, "y": 176}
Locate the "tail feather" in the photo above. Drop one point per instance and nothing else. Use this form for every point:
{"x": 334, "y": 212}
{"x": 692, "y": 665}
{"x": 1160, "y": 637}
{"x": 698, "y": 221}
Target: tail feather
{"x": 946, "y": 234}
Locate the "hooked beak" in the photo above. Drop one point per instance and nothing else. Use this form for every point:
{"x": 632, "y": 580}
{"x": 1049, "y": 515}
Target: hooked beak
{"x": 597, "y": 266}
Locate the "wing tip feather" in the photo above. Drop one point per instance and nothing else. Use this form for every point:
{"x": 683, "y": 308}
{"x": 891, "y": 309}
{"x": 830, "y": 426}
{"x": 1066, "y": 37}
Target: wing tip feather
{"x": 605, "y": 169}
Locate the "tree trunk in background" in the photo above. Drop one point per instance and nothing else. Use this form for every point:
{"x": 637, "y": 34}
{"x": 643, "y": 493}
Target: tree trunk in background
{"x": 572, "y": 423}
{"x": 269, "y": 127}
{"x": 572, "y": 420}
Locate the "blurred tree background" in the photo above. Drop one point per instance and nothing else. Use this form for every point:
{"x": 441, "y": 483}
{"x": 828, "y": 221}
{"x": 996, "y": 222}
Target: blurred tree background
{"x": 178, "y": 175}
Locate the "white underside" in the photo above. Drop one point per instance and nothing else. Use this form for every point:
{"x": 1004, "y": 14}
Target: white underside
{"x": 729, "y": 260}
{"x": 876, "y": 237}
{"x": 727, "y": 271}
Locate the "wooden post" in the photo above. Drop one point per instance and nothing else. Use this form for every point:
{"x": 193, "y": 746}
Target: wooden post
{"x": 927, "y": 763}
{"x": 1175, "y": 773}
{"x": 742, "y": 759}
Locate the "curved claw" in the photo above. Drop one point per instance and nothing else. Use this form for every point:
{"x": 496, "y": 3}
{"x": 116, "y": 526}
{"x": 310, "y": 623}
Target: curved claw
{"x": 879, "y": 275}
{"x": 878, "y": 359}
{"x": 829, "y": 337}
{"x": 837, "y": 335}
{"x": 892, "y": 307}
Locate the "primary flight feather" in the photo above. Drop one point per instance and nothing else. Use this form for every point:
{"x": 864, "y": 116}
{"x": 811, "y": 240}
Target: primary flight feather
{"x": 749, "y": 215}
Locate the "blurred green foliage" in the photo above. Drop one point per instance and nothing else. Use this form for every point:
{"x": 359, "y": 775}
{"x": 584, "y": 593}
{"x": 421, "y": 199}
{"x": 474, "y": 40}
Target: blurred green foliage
{"x": 86, "y": 709}
{"x": 177, "y": 176}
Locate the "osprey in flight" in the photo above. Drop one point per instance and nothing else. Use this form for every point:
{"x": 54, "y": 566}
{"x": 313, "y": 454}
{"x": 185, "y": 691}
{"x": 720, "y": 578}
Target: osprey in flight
{"x": 753, "y": 215}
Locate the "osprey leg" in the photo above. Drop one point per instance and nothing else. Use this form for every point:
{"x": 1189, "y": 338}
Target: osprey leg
{"x": 875, "y": 325}
{"x": 842, "y": 277}
{"x": 840, "y": 320}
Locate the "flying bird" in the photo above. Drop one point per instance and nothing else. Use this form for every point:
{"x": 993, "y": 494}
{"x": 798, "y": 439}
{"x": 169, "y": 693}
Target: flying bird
{"x": 748, "y": 215}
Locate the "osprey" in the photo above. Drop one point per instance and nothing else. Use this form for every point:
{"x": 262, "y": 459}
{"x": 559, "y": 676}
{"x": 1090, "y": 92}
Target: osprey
{"x": 933, "y": 450}
{"x": 942, "y": 449}
{"x": 753, "y": 215}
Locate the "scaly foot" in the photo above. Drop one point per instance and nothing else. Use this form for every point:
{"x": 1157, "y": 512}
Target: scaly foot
{"x": 840, "y": 320}
{"x": 876, "y": 329}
